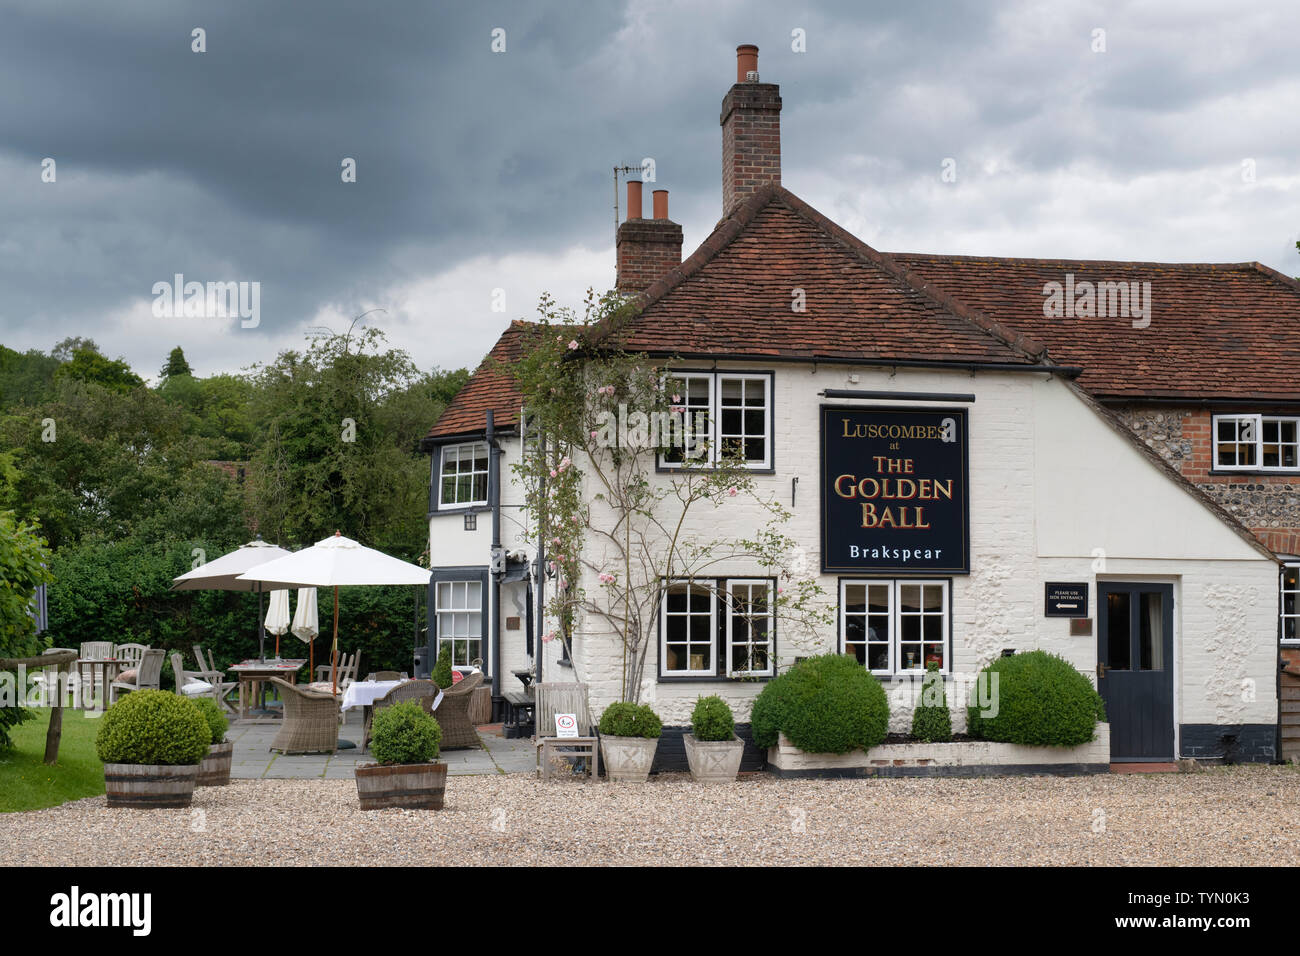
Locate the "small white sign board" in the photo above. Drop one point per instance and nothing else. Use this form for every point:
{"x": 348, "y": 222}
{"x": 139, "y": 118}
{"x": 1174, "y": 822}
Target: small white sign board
{"x": 566, "y": 725}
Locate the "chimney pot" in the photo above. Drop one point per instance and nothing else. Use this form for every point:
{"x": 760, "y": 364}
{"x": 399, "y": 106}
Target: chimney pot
{"x": 746, "y": 63}
{"x": 634, "y": 210}
{"x": 661, "y": 203}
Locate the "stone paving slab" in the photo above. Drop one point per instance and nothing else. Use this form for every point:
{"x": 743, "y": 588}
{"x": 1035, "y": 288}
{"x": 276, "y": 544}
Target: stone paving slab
{"x": 253, "y": 759}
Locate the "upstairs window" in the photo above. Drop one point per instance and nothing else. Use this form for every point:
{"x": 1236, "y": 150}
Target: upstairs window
{"x": 1256, "y": 443}
{"x": 464, "y": 477}
{"x": 735, "y": 409}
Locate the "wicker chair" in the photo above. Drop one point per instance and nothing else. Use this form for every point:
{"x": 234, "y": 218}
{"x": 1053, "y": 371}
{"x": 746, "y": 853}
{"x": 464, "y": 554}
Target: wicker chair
{"x": 453, "y": 714}
{"x": 425, "y": 691}
{"x": 148, "y": 674}
{"x": 311, "y": 720}
{"x": 386, "y": 675}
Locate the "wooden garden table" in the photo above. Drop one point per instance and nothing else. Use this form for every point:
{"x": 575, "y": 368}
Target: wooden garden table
{"x": 253, "y": 674}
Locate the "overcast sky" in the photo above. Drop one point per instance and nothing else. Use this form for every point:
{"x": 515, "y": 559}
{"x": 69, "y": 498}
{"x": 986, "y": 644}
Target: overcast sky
{"x": 480, "y": 170}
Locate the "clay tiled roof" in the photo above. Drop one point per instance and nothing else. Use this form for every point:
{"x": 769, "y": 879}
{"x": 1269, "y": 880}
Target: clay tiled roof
{"x": 1226, "y": 331}
{"x": 489, "y": 387}
{"x": 734, "y": 296}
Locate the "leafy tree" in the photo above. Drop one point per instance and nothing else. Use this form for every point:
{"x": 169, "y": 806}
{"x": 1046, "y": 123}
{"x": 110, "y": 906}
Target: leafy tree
{"x": 175, "y": 365}
{"x": 64, "y": 350}
{"x": 26, "y": 378}
{"x": 336, "y": 448}
{"x": 23, "y": 559}
{"x": 88, "y": 365}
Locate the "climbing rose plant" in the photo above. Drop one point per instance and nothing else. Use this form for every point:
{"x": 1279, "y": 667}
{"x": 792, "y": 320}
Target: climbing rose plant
{"x": 614, "y": 526}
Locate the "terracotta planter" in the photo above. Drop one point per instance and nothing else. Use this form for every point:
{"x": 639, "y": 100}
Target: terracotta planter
{"x": 628, "y": 758}
{"x": 412, "y": 786}
{"x": 149, "y": 786}
{"x": 214, "y": 769}
{"x": 714, "y": 761}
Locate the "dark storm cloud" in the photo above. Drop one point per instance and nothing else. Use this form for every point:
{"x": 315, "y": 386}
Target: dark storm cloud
{"x": 479, "y": 170}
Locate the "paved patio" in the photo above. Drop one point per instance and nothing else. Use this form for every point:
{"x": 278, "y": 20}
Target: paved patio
{"x": 253, "y": 758}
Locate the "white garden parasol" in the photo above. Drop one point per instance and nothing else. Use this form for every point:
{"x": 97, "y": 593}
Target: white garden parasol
{"x": 277, "y": 616}
{"x": 335, "y": 562}
{"x": 306, "y": 623}
{"x": 223, "y": 574}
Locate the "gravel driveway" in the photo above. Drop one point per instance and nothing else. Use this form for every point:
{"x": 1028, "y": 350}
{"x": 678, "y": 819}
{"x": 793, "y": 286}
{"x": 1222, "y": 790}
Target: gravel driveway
{"x": 1223, "y": 816}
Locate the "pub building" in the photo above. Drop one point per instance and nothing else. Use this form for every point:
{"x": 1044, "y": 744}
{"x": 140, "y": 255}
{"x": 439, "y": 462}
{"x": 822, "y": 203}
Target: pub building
{"x": 970, "y": 473}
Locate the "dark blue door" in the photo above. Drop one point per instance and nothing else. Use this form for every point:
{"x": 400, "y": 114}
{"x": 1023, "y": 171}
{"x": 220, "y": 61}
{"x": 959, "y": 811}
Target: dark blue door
{"x": 1135, "y": 675}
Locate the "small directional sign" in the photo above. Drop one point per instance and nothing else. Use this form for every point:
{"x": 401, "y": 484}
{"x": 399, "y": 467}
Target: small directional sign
{"x": 1066, "y": 599}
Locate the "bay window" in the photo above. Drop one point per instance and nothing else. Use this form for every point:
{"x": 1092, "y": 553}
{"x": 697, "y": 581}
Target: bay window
{"x": 895, "y": 627}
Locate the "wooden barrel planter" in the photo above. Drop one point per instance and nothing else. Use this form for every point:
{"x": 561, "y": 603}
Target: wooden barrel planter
{"x": 412, "y": 786}
{"x": 214, "y": 769}
{"x": 150, "y": 786}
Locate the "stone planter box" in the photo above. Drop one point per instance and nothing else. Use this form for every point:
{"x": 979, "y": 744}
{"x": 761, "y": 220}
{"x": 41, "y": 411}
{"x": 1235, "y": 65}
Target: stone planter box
{"x": 150, "y": 786}
{"x": 713, "y": 761}
{"x": 412, "y": 786}
{"x": 971, "y": 758}
{"x": 628, "y": 758}
{"x": 214, "y": 769}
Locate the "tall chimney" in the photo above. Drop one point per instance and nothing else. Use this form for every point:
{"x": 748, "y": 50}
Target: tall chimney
{"x": 647, "y": 248}
{"x": 751, "y": 132}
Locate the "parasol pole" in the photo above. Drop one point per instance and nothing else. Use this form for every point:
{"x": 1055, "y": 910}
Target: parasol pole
{"x": 334, "y": 651}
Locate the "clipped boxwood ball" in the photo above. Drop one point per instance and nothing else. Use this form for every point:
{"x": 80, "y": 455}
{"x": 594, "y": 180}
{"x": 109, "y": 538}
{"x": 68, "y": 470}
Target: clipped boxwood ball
{"x": 404, "y": 733}
{"x": 153, "y": 727}
{"x": 622, "y": 719}
{"x": 827, "y": 705}
{"x": 712, "y": 719}
{"x": 1039, "y": 700}
{"x": 217, "y": 722}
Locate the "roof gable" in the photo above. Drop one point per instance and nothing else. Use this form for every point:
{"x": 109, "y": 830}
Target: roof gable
{"x": 489, "y": 387}
{"x": 738, "y": 295}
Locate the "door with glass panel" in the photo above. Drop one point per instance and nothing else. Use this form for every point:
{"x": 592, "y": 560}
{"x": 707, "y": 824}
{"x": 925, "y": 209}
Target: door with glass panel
{"x": 1135, "y": 645}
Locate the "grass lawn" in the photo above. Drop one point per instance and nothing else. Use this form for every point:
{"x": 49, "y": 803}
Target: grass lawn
{"x": 27, "y": 784}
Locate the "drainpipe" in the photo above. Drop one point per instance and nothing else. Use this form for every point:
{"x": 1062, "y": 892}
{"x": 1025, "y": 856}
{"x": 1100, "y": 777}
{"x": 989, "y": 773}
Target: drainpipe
{"x": 498, "y": 564}
{"x": 538, "y": 646}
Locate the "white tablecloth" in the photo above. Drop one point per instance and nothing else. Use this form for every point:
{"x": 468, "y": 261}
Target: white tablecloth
{"x": 363, "y": 693}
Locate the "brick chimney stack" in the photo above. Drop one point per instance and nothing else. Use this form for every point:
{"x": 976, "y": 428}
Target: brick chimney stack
{"x": 647, "y": 248}
{"x": 751, "y": 132}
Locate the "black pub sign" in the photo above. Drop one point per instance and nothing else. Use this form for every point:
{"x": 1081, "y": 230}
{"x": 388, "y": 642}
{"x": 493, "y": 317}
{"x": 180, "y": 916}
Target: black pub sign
{"x": 894, "y": 490}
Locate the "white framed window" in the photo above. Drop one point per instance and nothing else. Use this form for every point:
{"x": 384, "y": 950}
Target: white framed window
{"x": 1256, "y": 443}
{"x": 751, "y": 623}
{"x": 688, "y": 629}
{"x": 459, "y": 610}
{"x": 464, "y": 475}
{"x": 895, "y": 627}
{"x": 1291, "y": 604}
{"x": 738, "y": 409}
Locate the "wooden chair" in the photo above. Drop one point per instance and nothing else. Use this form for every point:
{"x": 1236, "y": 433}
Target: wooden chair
{"x": 347, "y": 670}
{"x": 130, "y": 654}
{"x": 92, "y": 651}
{"x": 48, "y": 677}
{"x": 208, "y": 672}
{"x": 148, "y": 674}
{"x": 425, "y": 691}
{"x": 564, "y": 698}
{"x": 188, "y": 683}
{"x": 311, "y": 720}
{"x": 453, "y": 715}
